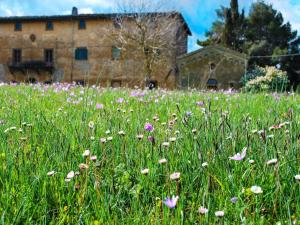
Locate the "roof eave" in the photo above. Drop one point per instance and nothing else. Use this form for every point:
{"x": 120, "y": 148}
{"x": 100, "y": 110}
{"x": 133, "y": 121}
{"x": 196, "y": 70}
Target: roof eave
{"x": 229, "y": 51}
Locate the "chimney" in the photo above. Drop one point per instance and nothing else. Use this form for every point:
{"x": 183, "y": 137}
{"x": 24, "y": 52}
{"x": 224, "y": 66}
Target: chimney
{"x": 74, "y": 11}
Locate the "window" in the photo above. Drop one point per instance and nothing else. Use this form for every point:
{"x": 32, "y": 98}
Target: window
{"x": 80, "y": 82}
{"x": 184, "y": 81}
{"x": 116, "y": 53}
{"x": 48, "y": 56}
{"x": 212, "y": 66}
{"x": 18, "y": 26}
{"x": 157, "y": 53}
{"x": 146, "y": 51}
{"x": 81, "y": 25}
{"x": 48, "y": 82}
{"x": 49, "y": 25}
{"x": 152, "y": 84}
{"x": 117, "y": 23}
{"x": 212, "y": 84}
{"x": 81, "y": 54}
{"x": 31, "y": 80}
{"x": 116, "y": 83}
{"x": 17, "y": 56}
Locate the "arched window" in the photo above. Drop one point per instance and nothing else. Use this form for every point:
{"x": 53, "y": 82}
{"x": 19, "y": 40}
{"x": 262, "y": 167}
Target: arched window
{"x": 212, "y": 66}
{"x": 212, "y": 84}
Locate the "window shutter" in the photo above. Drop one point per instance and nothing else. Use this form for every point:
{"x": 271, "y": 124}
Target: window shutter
{"x": 81, "y": 54}
{"x": 116, "y": 53}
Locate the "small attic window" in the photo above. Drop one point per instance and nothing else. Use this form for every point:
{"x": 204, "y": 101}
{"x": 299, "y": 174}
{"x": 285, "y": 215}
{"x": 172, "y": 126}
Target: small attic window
{"x": 49, "y": 25}
{"x": 212, "y": 66}
{"x": 18, "y": 26}
{"x": 81, "y": 25}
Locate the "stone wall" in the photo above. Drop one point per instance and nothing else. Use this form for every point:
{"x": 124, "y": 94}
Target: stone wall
{"x": 3, "y": 73}
{"x": 197, "y": 69}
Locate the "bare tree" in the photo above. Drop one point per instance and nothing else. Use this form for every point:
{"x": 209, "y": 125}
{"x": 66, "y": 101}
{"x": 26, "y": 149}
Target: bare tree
{"x": 145, "y": 32}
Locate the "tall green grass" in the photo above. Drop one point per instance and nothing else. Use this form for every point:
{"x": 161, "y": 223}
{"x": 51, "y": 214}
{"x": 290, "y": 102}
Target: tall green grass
{"x": 46, "y": 128}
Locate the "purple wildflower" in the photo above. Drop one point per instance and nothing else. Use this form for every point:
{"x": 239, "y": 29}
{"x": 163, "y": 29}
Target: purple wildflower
{"x": 189, "y": 113}
{"x": 234, "y": 199}
{"x": 171, "y": 202}
{"x": 276, "y": 97}
{"x": 201, "y": 103}
{"x": 148, "y": 127}
{"x": 239, "y": 156}
{"x": 134, "y": 94}
{"x": 99, "y": 106}
{"x": 120, "y": 100}
{"x": 137, "y": 94}
{"x": 151, "y": 139}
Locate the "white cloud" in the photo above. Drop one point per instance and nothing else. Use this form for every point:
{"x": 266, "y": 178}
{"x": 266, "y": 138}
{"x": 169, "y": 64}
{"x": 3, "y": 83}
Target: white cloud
{"x": 85, "y": 11}
{"x": 8, "y": 11}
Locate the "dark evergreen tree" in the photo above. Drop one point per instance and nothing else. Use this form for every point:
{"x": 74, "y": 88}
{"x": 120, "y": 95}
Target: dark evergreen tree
{"x": 234, "y": 6}
{"x": 228, "y": 30}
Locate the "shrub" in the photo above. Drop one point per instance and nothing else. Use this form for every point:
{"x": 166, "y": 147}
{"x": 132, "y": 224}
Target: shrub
{"x": 266, "y": 79}
{"x": 252, "y": 74}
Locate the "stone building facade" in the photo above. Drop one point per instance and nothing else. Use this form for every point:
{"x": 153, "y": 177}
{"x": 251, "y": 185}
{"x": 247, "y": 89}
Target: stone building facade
{"x": 212, "y": 67}
{"x": 76, "y": 48}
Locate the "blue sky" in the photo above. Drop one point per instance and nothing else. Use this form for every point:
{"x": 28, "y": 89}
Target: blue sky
{"x": 199, "y": 14}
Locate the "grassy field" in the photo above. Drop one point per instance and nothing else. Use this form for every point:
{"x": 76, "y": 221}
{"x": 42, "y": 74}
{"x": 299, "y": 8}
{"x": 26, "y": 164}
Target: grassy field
{"x": 145, "y": 147}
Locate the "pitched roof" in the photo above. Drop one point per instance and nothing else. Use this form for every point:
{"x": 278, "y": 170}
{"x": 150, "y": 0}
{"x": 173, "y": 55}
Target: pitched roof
{"x": 91, "y": 16}
{"x": 218, "y": 48}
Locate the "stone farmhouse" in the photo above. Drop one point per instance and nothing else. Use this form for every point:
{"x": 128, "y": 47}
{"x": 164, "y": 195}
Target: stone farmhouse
{"x": 78, "y": 48}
